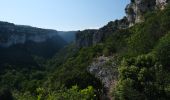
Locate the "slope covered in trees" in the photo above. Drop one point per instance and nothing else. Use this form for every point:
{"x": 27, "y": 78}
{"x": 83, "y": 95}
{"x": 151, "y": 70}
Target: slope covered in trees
{"x": 141, "y": 52}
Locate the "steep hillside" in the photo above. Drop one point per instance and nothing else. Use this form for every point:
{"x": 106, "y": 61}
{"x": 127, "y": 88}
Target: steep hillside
{"x": 19, "y": 44}
{"x": 127, "y": 59}
{"x": 88, "y": 38}
{"x": 132, "y": 62}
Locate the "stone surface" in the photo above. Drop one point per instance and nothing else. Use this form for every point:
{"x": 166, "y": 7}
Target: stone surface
{"x": 134, "y": 14}
{"x": 137, "y": 8}
{"x": 88, "y": 38}
{"x": 161, "y": 3}
{"x": 21, "y": 39}
{"x": 11, "y": 34}
{"x": 105, "y": 69}
{"x": 85, "y": 38}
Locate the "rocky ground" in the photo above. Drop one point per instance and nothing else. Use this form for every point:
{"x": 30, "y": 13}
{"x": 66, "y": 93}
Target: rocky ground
{"x": 105, "y": 69}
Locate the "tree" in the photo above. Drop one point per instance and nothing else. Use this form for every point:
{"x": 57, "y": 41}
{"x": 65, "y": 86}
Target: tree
{"x": 140, "y": 78}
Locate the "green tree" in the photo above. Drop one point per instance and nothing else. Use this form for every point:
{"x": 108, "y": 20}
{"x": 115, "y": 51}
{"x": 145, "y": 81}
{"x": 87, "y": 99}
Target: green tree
{"x": 73, "y": 93}
{"x": 141, "y": 78}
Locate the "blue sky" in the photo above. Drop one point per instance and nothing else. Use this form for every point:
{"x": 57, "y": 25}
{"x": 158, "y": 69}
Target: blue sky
{"x": 62, "y": 15}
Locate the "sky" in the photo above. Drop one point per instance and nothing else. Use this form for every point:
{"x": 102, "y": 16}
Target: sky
{"x": 63, "y": 15}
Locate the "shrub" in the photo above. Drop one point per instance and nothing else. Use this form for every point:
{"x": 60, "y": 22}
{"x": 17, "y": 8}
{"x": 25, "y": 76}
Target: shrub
{"x": 73, "y": 93}
{"x": 141, "y": 78}
{"x": 162, "y": 50}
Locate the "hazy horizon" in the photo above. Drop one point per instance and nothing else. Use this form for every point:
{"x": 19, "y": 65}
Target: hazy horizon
{"x": 62, "y": 15}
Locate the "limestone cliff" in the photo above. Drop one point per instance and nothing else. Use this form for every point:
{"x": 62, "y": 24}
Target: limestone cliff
{"x": 11, "y": 34}
{"x": 137, "y": 8}
{"x": 92, "y": 37}
{"x": 105, "y": 69}
{"x": 134, "y": 14}
{"x": 20, "y": 44}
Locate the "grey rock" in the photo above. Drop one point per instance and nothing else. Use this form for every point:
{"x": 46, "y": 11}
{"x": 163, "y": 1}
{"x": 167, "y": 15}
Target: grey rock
{"x": 22, "y": 38}
{"x": 136, "y": 9}
{"x": 84, "y": 38}
{"x": 134, "y": 14}
{"x": 161, "y": 3}
{"x": 88, "y": 38}
{"x": 105, "y": 69}
{"x": 11, "y": 34}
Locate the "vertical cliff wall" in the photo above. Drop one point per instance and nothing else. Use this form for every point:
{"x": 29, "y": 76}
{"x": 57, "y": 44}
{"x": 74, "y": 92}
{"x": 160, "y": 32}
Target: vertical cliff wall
{"x": 137, "y": 8}
{"x": 11, "y": 34}
{"x": 92, "y": 37}
{"x": 135, "y": 12}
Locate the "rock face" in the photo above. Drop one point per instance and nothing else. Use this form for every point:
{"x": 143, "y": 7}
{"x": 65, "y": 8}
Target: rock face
{"x": 135, "y": 13}
{"x": 104, "y": 69}
{"x": 20, "y": 44}
{"x": 161, "y": 3}
{"x": 85, "y": 38}
{"x": 137, "y": 8}
{"x": 92, "y": 37}
{"x": 11, "y": 34}
{"x": 14, "y": 39}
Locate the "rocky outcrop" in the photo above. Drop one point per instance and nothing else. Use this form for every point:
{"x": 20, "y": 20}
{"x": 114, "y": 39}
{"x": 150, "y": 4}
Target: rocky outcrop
{"x": 11, "y": 34}
{"x": 85, "y": 38}
{"x": 88, "y": 38}
{"x": 14, "y": 39}
{"x": 22, "y": 44}
{"x": 137, "y": 8}
{"x": 134, "y": 14}
{"x": 161, "y": 3}
{"x": 105, "y": 69}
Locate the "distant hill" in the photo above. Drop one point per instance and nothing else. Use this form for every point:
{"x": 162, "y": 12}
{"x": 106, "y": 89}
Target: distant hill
{"x": 19, "y": 44}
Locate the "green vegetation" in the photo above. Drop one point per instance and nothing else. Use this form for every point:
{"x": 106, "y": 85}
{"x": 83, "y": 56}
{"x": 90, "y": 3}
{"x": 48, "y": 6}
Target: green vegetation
{"x": 141, "y": 78}
{"x": 144, "y": 74}
{"x": 142, "y": 53}
{"x": 73, "y": 93}
{"x": 162, "y": 51}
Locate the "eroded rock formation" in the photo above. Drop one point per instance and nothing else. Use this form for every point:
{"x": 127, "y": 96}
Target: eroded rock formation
{"x": 137, "y": 8}
{"x": 88, "y": 38}
{"x": 11, "y": 34}
{"x": 105, "y": 69}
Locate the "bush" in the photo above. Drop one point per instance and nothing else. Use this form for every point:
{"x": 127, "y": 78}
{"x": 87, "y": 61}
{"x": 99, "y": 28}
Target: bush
{"x": 73, "y": 93}
{"x": 162, "y": 51}
{"x": 147, "y": 34}
{"x": 141, "y": 78}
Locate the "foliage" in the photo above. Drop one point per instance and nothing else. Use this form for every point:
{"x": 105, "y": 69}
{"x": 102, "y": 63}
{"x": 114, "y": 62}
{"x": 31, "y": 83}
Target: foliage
{"x": 73, "y": 71}
{"x": 146, "y": 35}
{"x": 141, "y": 78}
{"x": 143, "y": 73}
{"x": 162, "y": 50}
{"x": 23, "y": 96}
{"x": 73, "y": 93}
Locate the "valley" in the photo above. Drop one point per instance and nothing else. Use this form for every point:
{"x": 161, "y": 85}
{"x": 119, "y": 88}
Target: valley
{"x": 126, "y": 59}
